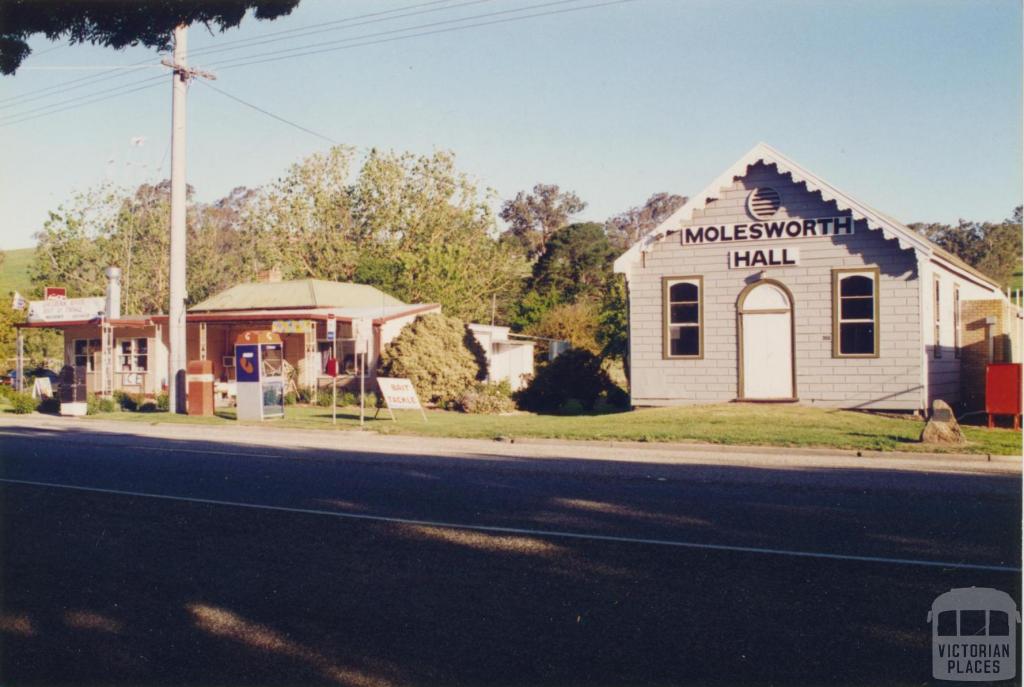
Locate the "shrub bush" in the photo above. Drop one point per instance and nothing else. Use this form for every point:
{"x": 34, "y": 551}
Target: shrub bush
{"x": 22, "y": 403}
{"x": 163, "y": 402}
{"x": 574, "y": 377}
{"x": 99, "y": 404}
{"x": 439, "y": 355}
{"x": 49, "y": 405}
{"x": 128, "y": 401}
{"x": 488, "y": 398}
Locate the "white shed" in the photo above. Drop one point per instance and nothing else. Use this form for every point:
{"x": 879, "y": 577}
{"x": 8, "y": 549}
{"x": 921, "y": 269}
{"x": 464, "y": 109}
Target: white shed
{"x": 507, "y": 359}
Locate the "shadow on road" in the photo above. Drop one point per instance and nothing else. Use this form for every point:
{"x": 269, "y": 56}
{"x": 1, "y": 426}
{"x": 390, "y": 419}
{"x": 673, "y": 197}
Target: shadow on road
{"x": 120, "y": 589}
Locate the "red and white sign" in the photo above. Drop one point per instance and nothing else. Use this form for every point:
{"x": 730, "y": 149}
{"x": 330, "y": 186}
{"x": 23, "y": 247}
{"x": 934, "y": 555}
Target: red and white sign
{"x": 55, "y": 293}
{"x": 399, "y": 393}
{"x": 66, "y": 310}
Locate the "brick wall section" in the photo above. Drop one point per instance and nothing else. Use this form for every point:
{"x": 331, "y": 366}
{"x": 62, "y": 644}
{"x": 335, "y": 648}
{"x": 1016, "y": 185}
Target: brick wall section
{"x": 891, "y": 381}
{"x": 1006, "y": 340}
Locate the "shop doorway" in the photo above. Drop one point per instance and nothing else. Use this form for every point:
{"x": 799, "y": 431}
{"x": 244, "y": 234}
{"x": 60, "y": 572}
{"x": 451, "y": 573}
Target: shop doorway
{"x": 765, "y": 321}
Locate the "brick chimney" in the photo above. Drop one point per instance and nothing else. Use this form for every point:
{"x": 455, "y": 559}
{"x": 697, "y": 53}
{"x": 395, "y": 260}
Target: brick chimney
{"x": 271, "y": 275}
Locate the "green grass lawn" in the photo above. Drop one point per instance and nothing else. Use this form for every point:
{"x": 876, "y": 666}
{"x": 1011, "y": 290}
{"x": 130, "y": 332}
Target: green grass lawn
{"x": 729, "y": 424}
{"x": 14, "y": 271}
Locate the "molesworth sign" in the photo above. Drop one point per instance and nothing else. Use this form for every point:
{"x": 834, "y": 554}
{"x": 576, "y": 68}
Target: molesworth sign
{"x": 766, "y": 231}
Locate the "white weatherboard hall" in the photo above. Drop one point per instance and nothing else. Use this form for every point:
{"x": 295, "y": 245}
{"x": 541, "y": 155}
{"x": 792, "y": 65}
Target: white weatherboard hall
{"x": 773, "y": 285}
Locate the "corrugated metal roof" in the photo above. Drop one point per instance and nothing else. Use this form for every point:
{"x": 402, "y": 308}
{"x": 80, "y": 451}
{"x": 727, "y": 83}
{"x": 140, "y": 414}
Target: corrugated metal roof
{"x": 300, "y": 293}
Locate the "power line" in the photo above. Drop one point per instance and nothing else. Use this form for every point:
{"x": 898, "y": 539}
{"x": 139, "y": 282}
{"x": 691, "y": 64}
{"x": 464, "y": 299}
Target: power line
{"x": 268, "y": 57}
{"x": 305, "y": 50}
{"x": 270, "y": 114}
{"x": 88, "y": 96}
{"x": 319, "y": 28}
{"x": 65, "y": 86}
{"x": 83, "y": 104}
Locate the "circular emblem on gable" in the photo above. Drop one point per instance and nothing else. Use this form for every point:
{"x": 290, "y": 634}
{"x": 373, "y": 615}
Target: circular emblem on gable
{"x": 763, "y": 202}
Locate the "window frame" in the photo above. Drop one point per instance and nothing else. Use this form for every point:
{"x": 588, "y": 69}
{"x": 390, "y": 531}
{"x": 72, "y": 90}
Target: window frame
{"x": 90, "y": 352}
{"x": 937, "y": 316}
{"x": 666, "y": 311}
{"x": 838, "y": 275}
{"x": 133, "y": 355}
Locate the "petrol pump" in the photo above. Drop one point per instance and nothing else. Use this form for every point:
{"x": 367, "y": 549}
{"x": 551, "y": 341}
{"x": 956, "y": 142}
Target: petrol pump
{"x": 259, "y": 375}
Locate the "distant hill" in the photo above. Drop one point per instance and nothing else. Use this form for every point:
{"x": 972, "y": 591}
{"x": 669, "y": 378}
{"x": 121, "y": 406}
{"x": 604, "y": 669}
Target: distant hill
{"x": 14, "y": 272}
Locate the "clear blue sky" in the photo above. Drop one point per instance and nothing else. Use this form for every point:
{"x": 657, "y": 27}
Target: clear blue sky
{"x": 912, "y": 106}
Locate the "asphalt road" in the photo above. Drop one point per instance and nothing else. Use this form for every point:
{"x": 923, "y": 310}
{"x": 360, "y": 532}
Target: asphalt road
{"x": 143, "y": 560}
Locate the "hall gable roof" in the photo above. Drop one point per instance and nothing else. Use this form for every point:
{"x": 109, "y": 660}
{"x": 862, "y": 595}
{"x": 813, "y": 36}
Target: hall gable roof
{"x": 762, "y": 152}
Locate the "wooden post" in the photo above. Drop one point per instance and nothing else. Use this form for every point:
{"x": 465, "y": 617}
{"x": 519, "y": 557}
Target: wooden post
{"x": 362, "y": 390}
{"x": 202, "y": 341}
{"x": 19, "y": 365}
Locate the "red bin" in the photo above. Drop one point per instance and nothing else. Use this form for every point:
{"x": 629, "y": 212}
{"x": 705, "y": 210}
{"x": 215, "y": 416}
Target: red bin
{"x": 199, "y": 377}
{"x": 1003, "y": 391}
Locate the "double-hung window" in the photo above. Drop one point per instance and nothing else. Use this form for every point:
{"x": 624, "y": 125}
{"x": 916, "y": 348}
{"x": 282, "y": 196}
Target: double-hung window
{"x": 937, "y": 313}
{"x": 85, "y": 350}
{"x": 133, "y": 355}
{"x": 855, "y": 313}
{"x": 683, "y": 299}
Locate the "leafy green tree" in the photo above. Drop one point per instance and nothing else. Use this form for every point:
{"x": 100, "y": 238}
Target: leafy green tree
{"x": 303, "y": 222}
{"x": 992, "y": 248}
{"x": 576, "y": 262}
{"x": 534, "y": 217}
{"x": 108, "y": 226}
{"x": 576, "y": 323}
{"x": 613, "y": 320}
{"x": 573, "y": 381}
{"x": 626, "y": 228}
{"x": 118, "y": 24}
{"x": 439, "y": 355}
{"x": 411, "y": 225}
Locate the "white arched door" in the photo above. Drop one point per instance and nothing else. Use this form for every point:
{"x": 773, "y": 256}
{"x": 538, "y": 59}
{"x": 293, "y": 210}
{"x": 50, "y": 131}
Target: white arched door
{"x": 766, "y": 342}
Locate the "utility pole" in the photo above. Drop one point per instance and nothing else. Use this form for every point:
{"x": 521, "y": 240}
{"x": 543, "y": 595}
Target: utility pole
{"x": 177, "y": 354}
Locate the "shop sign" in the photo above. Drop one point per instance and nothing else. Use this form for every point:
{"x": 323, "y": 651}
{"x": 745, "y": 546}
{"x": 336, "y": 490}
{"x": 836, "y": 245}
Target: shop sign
{"x": 289, "y": 326}
{"x": 764, "y": 257}
{"x": 66, "y": 310}
{"x": 399, "y": 393}
{"x": 767, "y": 231}
{"x": 55, "y": 293}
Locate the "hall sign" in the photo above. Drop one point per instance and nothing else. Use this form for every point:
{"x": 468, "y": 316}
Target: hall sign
{"x": 767, "y": 231}
{"x": 764, "y": 257}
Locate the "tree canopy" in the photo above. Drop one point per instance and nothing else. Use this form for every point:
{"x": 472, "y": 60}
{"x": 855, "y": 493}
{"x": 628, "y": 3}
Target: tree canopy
{"x": 118, "y": 23}
{"x": 534, "y": 217}
{"x": 627, "y": 227}
{"x": 992, "y": 248}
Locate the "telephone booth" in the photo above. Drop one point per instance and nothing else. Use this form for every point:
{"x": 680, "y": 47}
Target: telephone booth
{"x": 259, "y": 374}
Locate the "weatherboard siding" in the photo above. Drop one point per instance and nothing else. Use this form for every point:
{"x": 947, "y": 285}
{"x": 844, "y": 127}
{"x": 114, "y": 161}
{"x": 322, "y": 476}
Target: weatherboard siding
{"x": 893, "y": 380}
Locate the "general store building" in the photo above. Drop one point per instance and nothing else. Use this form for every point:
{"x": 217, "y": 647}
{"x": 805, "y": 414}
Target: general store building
{"x": 773, "y": 285}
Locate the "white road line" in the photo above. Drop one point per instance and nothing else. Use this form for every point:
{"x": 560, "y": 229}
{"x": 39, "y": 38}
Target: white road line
{"x": 526, "y": 532}
{"x": 204, "y": 451}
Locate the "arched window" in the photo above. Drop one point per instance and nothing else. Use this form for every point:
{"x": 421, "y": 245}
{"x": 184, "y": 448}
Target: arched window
{"x": 683, "y": 317}
{"x": 855, "y": 313}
